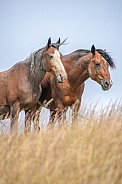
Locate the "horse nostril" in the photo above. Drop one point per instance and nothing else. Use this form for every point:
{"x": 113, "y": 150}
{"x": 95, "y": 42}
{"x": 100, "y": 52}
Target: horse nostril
{"x": 61, "y": 78}
{"x": 106, "y": 83}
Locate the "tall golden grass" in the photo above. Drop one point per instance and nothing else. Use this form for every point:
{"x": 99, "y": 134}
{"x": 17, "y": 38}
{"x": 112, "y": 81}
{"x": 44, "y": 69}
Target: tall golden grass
{"x": 88, "y": 152}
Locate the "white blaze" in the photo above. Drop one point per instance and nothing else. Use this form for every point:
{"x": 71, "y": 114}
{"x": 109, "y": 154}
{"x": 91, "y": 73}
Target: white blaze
{"x": 57, "y": 61}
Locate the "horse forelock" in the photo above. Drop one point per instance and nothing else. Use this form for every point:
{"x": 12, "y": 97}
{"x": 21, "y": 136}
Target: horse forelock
{"x": 55, "y": 45}
{"x": 107, "y": 57}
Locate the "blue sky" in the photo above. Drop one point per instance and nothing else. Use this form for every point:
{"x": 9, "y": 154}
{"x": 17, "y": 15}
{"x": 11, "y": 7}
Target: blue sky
{"x": 26, "y": 26}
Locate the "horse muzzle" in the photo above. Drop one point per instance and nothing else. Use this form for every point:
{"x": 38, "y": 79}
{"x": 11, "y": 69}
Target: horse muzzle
{"x": 106, "y": 84}
{"x": 61, "y": 77}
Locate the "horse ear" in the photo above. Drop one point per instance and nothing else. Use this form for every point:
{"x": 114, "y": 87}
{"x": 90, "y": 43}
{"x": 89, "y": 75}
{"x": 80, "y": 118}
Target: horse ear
{"x": 58, "y": 42}
{"x": 49, "y": 43}
{"x": 93, "y": 49}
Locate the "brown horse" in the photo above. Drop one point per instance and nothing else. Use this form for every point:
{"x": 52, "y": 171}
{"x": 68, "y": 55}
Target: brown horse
{"x": 79, "y": 65}
{"x": 19, "y": 86}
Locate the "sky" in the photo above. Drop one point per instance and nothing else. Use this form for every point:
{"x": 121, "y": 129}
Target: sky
{"x": 25, "y": 26}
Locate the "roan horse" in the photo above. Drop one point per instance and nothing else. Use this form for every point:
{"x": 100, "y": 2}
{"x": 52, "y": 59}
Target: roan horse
{"x": 19, "y": 86}
{"x": 79, "y": 65}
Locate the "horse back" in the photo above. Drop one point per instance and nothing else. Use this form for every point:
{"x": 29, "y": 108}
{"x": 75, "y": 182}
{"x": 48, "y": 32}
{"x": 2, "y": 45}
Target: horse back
{"x": 11, "y": 81}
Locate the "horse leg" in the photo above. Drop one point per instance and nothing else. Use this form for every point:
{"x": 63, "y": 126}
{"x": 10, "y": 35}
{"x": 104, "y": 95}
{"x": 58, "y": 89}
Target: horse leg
{"x": 14, "y": 114}
{"x": 62, "y": 116}
{"x": 36, "y": 118}
{"x": 27, "y": 120}
{"x": 32, "y": 116}
{"x": 75, "y": 109}
{"x": 53, "y": 117}
{"x": 58, "y": 115}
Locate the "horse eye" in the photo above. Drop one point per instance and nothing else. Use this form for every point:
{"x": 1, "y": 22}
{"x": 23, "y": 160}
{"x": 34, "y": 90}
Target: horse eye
{"x": 51, "y": 57}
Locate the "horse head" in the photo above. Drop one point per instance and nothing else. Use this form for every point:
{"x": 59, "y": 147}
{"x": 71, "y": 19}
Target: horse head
{"x": 52, "y": 61}
{"x": 98, "y": 68}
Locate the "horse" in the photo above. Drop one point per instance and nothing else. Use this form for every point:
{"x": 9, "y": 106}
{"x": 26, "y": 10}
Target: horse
{"x": 79, "y": 65}
{"x": 20, "y": 85}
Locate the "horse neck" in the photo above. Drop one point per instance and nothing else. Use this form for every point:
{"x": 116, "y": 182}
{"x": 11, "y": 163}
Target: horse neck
{"x": 36, "y": 68}
{"x": 77, "y": 69}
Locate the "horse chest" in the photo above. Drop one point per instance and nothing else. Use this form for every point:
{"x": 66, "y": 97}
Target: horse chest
{"x": 69, "y": 99}
{"x": 68, "y": 96}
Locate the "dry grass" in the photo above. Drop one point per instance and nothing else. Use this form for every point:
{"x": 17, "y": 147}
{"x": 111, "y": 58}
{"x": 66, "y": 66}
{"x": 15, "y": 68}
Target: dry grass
{"x": 86, "y": 153}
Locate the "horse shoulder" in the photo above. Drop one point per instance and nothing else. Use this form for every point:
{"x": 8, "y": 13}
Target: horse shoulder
{"x": 3, "y": 87}
{"x": 18, "y": 84}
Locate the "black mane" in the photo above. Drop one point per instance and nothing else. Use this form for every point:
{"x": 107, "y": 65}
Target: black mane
{"x": 107, "y": 57}
{"x": 80, "y": 53}
{"x": 55, "y": 45}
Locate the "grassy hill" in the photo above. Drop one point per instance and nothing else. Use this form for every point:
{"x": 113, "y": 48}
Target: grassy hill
{"x": 88, "y": 152}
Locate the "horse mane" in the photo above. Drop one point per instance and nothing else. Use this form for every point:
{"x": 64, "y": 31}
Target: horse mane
{"x": 107, "y": 57}
{"x": 78, "y": 53}
{"x": 82, "y": 52}
{"x": 32, "y": 55}
{"x": 30, "y": 58}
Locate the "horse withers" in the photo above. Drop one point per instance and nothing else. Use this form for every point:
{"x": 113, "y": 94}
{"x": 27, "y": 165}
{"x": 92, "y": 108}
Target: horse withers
{"x": 19, "y": 86}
